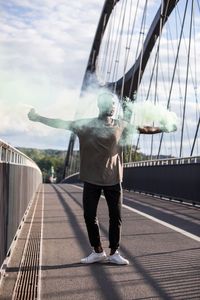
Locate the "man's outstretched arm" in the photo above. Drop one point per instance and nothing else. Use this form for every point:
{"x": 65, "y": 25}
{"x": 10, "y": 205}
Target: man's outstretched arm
{"x": 56, "y": 123}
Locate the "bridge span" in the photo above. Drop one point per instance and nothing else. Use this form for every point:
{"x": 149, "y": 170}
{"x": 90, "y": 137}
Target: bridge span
{"x": 42, "y": 230}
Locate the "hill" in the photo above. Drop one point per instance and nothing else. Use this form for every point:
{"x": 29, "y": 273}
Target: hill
{"x": 48, "y": 160}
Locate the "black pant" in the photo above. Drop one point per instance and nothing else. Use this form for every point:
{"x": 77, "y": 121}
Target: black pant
{"x": 91, "y": 196}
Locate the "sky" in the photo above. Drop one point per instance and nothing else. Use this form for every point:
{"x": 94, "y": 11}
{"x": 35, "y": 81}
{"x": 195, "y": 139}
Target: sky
{"x": 44, "y": 49}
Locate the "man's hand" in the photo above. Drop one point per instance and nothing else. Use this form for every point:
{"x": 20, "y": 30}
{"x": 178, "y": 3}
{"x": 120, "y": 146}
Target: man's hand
{"x": 149, "y": 129}
{"x": 55, "y": 123}
{"x": 33, "y": 116}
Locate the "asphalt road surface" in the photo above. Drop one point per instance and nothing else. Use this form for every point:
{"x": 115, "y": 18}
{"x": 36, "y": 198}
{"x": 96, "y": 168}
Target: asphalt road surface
{"x": 160, "y": 238}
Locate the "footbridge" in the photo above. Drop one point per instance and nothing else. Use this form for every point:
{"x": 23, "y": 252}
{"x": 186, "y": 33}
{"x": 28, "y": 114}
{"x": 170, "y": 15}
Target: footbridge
{"x": 142, "y": 51}
{"x": 43, "y": 238}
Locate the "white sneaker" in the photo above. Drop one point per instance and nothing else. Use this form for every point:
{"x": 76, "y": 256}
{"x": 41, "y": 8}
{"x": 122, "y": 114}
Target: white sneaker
{"x": 116, "y": 258}
{"x": 94, "y": 257}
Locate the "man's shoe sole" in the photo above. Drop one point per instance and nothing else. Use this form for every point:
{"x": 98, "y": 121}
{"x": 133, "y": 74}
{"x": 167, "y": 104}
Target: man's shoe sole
{"x": 101, "y": 259}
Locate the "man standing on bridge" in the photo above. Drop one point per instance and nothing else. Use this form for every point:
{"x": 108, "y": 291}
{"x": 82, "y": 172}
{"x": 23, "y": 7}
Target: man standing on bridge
{"x": 101, "y": 170}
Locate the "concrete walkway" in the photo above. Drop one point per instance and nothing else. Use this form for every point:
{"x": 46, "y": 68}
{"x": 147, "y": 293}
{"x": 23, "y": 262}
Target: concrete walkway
{"x": 164, "y": 263}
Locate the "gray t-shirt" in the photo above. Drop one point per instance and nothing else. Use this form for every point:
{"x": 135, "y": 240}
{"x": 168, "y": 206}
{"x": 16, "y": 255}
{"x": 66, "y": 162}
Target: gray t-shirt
{"x": 100, "y": 150}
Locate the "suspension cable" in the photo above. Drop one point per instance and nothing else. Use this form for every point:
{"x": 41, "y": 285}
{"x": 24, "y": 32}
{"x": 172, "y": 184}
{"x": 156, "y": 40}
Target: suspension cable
{"x": 197, "y": 110}
{"x": 178, "y": 71}
{"x": 115, "y": 72}
{"x": 143, "y": 23}
{"x": 162, "y": 19}
{"x": 175, "y": 65}
{"x": 117, "y": 40}
{"x": 157, "y": 64}
{"x": 128, "y": 46}
{"x": 105, "y": 52}
{"x": 186, "y": 82}
{"x": 158, "y": 51}
{"x": 126, "y": 56}
{"x": 192, "y": 79}
{"x": 195, "y": 137}
{"x": 136, "y": 55}
{"x": 111, "y": 44}
{"x": 127, "y": 50}
{"x": 155, "y": 60}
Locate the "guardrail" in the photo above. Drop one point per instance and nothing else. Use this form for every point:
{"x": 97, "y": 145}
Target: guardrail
{"x": 162, "y": 162}
{"x": 20, "y": 178}
{"x": 174, "y": 178}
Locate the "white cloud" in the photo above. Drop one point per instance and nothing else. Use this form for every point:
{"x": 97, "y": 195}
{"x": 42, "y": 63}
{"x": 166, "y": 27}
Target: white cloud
{"x": 43, "y": 54}
{"x": 48, "y": 38}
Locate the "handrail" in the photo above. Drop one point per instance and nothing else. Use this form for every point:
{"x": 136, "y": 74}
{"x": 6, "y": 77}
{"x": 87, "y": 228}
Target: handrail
{"x": 9, "y": 154}
{"x": 20, "y": 180}
{"x": 165, "y": 161}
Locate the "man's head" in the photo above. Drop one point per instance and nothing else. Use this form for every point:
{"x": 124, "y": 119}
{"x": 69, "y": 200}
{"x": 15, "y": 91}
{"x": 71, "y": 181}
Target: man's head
{"x": 106, "y": 104}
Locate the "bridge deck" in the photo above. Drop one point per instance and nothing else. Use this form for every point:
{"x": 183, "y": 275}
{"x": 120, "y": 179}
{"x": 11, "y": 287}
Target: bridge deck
{"x": 164, "y": 263}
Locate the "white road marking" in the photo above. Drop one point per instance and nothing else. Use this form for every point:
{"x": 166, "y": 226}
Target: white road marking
{"x": 186, "y": 233}
{"x": 179, "y": 230}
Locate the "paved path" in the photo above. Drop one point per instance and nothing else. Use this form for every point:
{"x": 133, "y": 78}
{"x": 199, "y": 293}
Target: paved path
{"x": 163, "y": 251}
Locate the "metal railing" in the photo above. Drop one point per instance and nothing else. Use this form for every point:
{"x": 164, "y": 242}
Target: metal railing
{"x": 162, "y": 162}
{"x": 174, "y": 178}
{"x": 11, "y": 155}
{"x": 20, "y": 179}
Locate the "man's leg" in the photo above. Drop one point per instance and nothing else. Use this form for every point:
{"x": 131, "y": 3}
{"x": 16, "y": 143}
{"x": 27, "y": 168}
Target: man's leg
{"x": 113, "y": 195}
{"x": 91, "y": 195}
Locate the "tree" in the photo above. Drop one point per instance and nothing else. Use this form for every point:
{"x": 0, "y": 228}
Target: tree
{"x": 45, "y": 159}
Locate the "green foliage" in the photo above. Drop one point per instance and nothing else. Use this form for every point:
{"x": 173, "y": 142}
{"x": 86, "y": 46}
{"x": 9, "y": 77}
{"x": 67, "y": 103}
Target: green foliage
{"x": 46, "y": 159}
{"x": 130, "y": 155}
